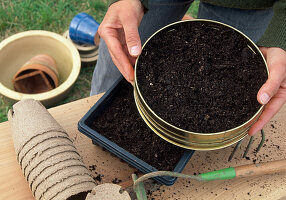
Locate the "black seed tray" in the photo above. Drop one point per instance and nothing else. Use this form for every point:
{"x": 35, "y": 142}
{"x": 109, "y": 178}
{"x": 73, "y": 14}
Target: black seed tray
{"x": 84, "y": 126}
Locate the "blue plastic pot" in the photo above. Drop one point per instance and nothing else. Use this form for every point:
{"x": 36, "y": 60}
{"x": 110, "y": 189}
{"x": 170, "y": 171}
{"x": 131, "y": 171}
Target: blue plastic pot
{"x": 83, "y": 29}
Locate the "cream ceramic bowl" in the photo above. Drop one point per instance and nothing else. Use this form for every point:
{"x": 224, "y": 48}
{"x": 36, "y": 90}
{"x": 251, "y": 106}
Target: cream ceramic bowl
{"x": 19, "y": 48}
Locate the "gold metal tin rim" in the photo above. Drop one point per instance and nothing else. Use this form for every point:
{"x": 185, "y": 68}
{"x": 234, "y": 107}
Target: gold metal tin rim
{"x": 242, "y": 129}
{"x": 207, "y": 145}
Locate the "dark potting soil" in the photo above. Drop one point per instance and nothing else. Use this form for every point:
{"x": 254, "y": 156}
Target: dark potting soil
{"x": 121, "y": 123}
{"x": 201, "y": 78}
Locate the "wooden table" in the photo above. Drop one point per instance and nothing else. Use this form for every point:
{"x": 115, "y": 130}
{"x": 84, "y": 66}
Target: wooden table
{"x": 109, "y": 168}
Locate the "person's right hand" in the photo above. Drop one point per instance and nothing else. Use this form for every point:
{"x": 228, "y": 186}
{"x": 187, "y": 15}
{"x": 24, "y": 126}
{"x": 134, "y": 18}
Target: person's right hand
{"x": 119, "y": 30}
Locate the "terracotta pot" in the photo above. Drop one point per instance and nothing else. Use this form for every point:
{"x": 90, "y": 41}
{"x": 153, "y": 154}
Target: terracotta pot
{"x": 30, "y": 72}
{"x": 45, "y": 60}
{"x": 21, "y": 47}
{"x": 32, "y": 83}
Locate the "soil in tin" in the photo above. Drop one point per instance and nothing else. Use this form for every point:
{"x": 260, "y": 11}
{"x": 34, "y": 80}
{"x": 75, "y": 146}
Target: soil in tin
{"x": 201, "y": 78}
{"x": 121, "y": 123}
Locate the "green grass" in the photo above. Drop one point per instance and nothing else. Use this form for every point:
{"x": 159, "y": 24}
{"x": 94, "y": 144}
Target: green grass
{"x": 52, "y": 15}
{"x": 193, "y": 10}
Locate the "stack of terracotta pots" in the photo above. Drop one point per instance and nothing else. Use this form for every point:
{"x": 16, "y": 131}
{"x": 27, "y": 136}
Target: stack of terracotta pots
{"x": 37, "y": 75}
{"x": 88, "y": 53}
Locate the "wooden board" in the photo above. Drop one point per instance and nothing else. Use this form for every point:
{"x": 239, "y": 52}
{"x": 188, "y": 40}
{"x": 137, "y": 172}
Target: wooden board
{"x": 109, "y": 168}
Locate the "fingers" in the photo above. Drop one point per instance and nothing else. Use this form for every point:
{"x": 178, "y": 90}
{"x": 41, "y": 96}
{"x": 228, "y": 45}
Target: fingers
{"x": 270, "y": 110}
{"x": 270, "y": 88}
{"x": 132, "y": 38}
{"x": 119, "y": 29}
{"x": 263, "y": 50}
{"x": 273, "y": 92}
{"x": 120, "y": 58}
{"x": 110, "y": 32}
{"x": 277, "y": 69}
{"x": 130, "y": 26}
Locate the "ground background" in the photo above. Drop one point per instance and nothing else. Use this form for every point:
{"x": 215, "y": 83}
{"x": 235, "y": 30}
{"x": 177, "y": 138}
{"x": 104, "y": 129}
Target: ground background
{"x": 53, "y": 15}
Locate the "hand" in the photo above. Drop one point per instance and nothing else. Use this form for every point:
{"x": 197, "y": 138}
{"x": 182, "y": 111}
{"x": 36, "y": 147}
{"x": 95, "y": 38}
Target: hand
{"x": 119, "y": 29}
{"x": 273, "y": 93}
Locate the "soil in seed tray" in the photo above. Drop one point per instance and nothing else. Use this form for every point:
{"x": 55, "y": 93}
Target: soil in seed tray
{"x": 201, "y": 78}
{"x": 121, "y": 123}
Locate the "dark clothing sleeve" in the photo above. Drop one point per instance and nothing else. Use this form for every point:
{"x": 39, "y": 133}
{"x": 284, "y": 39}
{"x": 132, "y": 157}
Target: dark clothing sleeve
{"x": 144, "y": 3}
{"x": 275, "y": 34}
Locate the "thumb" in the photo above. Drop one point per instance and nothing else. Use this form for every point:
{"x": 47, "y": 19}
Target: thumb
{"x": 132, "y": 37}
{"x": 268, "y": 90}
{"x": 276, "y": 76}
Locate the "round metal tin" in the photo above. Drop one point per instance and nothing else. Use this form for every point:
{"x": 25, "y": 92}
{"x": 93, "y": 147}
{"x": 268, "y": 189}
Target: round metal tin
{"x": 188, "y": 139}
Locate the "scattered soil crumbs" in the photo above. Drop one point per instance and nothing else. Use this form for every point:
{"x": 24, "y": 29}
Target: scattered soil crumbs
{"x": 80, "y": 196}
{"x": 201, "y": 78}
{"x": 98, "y": 177}
{"x": 122, "y": 124}
{"x": 92, "y": 167}
{"x": 116, "y": 181}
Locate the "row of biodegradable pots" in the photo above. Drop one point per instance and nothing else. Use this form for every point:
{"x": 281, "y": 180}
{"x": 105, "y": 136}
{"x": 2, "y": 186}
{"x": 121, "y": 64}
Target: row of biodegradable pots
{"x": 47, "y": 156}
{"x": 181, "y": 137}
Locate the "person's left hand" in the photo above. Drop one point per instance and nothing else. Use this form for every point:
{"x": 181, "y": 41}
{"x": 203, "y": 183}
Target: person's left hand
{"x": 273, "y": 93}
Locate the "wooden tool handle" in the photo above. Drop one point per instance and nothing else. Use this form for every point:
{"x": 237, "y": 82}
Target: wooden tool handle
{"x": 261, "y": 168}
